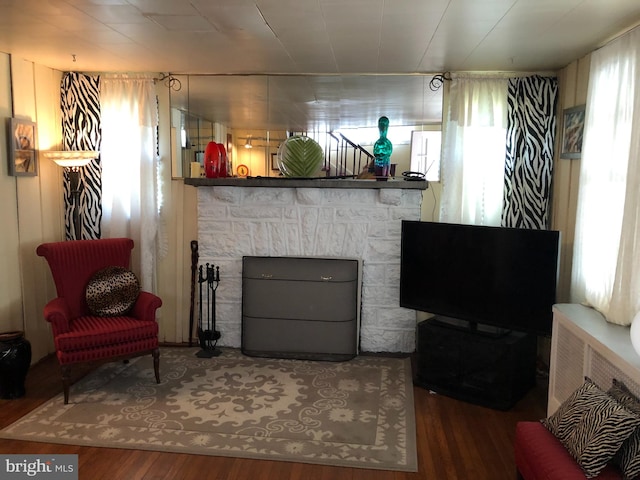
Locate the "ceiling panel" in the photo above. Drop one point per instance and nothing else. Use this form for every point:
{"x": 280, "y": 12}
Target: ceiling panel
{"x": 109, "y": 14}
{"x": 324, "y": 56}
{"x": 164, "y": 7}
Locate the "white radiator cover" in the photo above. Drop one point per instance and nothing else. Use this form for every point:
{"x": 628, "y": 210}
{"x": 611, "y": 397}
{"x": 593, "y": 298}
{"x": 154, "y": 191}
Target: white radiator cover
{"x": 584, "y": 344}
{"x": 317, "y": 222}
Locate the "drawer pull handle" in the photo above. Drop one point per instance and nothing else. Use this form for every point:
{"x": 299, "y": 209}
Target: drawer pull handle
{"x": 325, "y": 279}
{"x": 267, "y": 275}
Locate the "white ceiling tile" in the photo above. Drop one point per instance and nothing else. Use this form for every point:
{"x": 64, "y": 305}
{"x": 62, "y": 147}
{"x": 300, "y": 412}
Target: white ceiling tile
{"x": 103, "y": 36}
{"x": 239, "y": 19}
{"x": 90, "y": 3}
{"x": 164, "y": 7}
{"x": 331, "y": 39}
{"x": 182, "y": 23}
{"x": 16, "y": 17}
{"x": 114, "y": 13}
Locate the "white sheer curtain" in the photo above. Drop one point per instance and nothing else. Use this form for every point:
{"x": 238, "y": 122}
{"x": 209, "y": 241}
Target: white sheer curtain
{"x": 606, "y": 267}
{"x": 474, "y": 151}
{"x": 130, "y": 168}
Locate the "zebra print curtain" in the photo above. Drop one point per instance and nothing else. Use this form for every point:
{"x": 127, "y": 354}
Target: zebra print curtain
{"x": 80, "y": 104}
{"x": 531, "y": 126}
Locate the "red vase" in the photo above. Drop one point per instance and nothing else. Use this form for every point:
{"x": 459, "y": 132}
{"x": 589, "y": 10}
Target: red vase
{"x": 224, "y": 169}
{"x": 212, "y": 161}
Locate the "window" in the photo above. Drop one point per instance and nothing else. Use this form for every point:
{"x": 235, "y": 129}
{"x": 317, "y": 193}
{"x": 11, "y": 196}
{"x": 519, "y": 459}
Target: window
{"x": 425, "y": 153}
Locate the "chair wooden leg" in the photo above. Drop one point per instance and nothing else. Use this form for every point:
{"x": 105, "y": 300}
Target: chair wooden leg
{"x": 156, "y": 363}
{"x": 66, "y": 380}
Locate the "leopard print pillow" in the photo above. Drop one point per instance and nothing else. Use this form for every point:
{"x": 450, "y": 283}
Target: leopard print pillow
{"x": 112, "y": 291}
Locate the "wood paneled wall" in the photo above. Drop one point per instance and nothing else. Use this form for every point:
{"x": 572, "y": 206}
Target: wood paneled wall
{"x": 32, "y": 207}
{"x": 573, "y": 82}
{"x": 11, "y": 317}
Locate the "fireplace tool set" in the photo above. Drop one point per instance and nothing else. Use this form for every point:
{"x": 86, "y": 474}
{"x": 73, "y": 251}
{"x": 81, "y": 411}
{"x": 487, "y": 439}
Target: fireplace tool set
{"x": 208, "y": 336}
{"x": 209, "y": 278}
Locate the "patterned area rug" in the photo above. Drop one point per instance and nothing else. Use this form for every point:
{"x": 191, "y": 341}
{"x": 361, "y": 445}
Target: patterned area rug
{"x": 357, "y": 413}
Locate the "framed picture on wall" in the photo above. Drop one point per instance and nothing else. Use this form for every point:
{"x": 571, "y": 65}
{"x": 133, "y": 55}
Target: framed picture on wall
{"x": 274, "y": 162}
{"x": 572, "y": 132}
{"x": 23, "y": 158}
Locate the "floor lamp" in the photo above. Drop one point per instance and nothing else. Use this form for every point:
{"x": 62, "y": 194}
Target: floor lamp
{"x": 72, "y": 160}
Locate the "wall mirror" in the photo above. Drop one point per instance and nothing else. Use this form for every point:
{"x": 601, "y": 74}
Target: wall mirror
{"x": 263, "y": 109}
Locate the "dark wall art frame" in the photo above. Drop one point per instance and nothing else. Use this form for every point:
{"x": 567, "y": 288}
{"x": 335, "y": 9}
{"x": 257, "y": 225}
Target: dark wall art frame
{"x": 23, "y": 156}
{"x": 572, "y": 132}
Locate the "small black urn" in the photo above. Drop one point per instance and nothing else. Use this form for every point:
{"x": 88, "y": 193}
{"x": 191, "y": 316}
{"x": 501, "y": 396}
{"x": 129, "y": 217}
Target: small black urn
{"x": 15, "y": 359}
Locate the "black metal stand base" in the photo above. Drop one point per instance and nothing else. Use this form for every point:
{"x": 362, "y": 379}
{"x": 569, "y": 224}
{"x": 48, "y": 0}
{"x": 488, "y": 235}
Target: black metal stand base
{"x": 487, "y": 369}
{"x": 208, "y": 339}
{"x": 208, "y": 353}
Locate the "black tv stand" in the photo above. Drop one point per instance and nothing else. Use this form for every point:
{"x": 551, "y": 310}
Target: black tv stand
{"x": 469, "y": 326}
{"x": 473, "y": 363}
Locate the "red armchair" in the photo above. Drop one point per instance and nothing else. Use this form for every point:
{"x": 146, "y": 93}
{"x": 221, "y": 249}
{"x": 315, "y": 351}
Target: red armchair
{"x": 81, "y": 336}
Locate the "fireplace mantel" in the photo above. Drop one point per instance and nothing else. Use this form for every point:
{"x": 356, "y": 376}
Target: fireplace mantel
{"x": 277, "y": 182}
{"x": 329, "y": 218}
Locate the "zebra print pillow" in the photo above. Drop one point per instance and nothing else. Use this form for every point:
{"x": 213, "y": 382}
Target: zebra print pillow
{"x": 592, "y": 426}
{"x": 628, "y": 457}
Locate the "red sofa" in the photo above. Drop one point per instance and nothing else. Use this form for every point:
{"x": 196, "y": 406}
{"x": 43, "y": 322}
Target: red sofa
{"x": 539, "y": 455}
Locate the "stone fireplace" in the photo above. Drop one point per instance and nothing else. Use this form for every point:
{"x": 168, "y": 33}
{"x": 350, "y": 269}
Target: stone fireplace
{"x": 315, "y": 218}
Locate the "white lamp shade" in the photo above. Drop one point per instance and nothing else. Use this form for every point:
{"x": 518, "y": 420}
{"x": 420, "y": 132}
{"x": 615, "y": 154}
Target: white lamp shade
{"x": 72, "y": 158}
{"x": 635, "y": 333}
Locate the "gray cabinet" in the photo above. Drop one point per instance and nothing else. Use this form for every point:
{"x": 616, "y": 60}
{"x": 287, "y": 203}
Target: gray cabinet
{"x": 300, "y": 307}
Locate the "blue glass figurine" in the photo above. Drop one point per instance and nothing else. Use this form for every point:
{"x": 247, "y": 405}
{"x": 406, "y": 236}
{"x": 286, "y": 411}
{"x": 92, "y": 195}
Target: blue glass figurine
{"x": 382, "y": 150}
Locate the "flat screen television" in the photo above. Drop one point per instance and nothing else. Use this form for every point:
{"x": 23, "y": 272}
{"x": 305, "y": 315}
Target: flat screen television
{"x": 494, "y": 276}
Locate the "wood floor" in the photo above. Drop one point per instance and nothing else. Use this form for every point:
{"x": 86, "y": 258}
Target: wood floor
{"x": 455, "y": 440}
